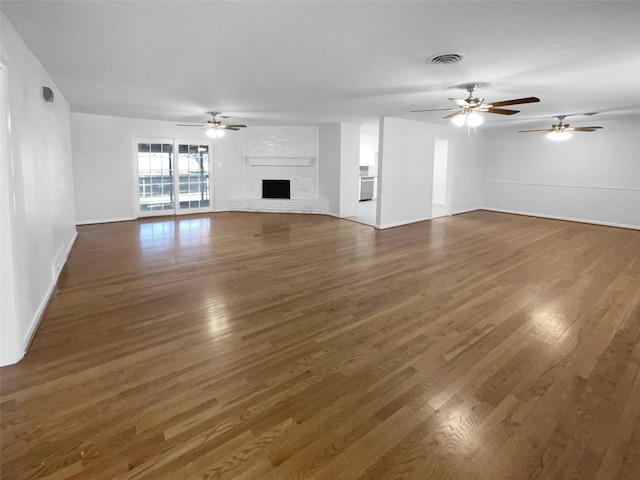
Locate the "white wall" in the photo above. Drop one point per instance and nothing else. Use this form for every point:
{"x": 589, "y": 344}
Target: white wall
{"x": 9, "y": 326}
{"x": 329, "y": 149}
{"x": 37, "y": 193}
{"x": 592, "y": 177}
{"x": 229, "y": 161}
{"x": 369, "y": 141}
{"x": 104, "y": 166}
{"x": 405, "y": 170}
{"x": 464, "y": 187}
{"x": 339, "y": 156}
{"x": 349, "y": 169}
{"x": 405, "y": 166}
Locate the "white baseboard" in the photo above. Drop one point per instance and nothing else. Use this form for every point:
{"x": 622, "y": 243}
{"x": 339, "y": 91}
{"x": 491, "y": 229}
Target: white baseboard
{"x": 459, "y": 212}
{"x": 568, "y": 219}
{"x": 59, "y": 262}
{"x": 106, "y": 220}
{"x": 404, "y": 222}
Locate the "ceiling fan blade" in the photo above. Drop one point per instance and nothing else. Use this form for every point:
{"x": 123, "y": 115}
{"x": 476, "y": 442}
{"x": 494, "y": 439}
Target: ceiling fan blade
{"x": 516, "y": 101}
{"x": 500, "y": 111}
{"x": 545, "y": 130}
{"x": 459, "y": 112}
{"x": 189, "y": 124}
{"x": 233, "y": 126}
{"x": 436, "y": 110}
{"x": 461, "y": 102}
{"x": 227, "y": 127}
{"x": 586, "y": 129}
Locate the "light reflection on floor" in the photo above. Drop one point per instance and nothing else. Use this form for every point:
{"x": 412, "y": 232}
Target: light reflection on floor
{"x": 218, "y": 315}
{"x": 162, "y": 233}
{"x": 551, "y": 322}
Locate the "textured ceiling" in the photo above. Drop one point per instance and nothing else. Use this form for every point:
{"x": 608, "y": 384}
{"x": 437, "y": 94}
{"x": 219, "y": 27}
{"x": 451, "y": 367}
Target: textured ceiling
{"x": 314, "y": 62}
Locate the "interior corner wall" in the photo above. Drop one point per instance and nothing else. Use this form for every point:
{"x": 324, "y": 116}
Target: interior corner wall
{"x": 349, "y": 169}
{"x": 405, "y": 170}
{"x": 329, "y": 151}
{"x": 592, "y": 177}
{"x": 104, "y": 163}
{"x": 338, "y": 173}
{"x": 466, "y": 157}
{"x": 228, "y": 169}
{"x": 38, "y": 208}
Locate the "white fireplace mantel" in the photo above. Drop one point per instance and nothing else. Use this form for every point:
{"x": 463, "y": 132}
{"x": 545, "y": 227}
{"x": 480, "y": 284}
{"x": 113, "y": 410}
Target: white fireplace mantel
{"x": 273, "y": 161}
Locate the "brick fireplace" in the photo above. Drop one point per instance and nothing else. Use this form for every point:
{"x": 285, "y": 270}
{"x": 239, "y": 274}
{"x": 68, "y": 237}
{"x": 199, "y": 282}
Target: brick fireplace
{"x": 281, "y": 153}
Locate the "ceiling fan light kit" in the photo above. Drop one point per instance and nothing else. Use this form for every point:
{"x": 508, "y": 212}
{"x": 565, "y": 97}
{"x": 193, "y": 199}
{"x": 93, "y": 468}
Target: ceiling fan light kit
{"x": 558, "y": 136}
{"x": 459, "y": 119}
{"x": 214, "y": 132}
{"x": 471, "y": 119}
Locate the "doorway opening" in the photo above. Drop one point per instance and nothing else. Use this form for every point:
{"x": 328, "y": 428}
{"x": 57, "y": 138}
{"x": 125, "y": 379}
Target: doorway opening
{"x": 440, "y": 192}
{"x": 368, "y": 174}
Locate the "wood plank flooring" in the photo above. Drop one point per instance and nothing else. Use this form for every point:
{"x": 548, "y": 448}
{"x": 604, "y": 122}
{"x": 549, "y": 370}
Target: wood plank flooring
{"x": 280, "y": 346}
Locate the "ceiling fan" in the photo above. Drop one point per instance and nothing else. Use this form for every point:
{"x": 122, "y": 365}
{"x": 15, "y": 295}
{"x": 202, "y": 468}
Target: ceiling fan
{"x": 214, "y": 127}
{"x": 560, "y": 130}
{"x": 468, "y": 109}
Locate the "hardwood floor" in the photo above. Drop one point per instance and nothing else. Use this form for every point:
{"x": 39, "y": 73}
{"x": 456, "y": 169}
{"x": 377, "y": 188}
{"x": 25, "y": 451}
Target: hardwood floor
{"x": 279, "y": 346}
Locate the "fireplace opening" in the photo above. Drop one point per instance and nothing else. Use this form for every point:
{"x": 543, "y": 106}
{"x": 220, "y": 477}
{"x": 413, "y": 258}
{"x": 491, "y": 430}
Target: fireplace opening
{"x": 276, "y": 189}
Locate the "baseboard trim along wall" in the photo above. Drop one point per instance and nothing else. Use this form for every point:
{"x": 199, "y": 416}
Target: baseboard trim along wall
{"x": 556, "y": 217}
{"x": 403, "y": 222}
{"x": 466, "y": 210}
{"x": 56, "y": 268}
{"x": 106, "y": 220}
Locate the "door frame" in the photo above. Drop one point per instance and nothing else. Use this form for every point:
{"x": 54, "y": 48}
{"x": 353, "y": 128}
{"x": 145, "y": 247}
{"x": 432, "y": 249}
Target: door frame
{"x": 449, "y": 175}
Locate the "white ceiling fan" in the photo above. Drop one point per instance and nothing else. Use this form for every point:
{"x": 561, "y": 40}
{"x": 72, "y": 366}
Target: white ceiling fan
{"x": 214, "y": 127}
{"x": 561, "y": 130}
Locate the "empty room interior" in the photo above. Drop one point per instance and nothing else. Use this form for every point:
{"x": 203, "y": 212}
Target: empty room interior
{"x": 320, "y": 240}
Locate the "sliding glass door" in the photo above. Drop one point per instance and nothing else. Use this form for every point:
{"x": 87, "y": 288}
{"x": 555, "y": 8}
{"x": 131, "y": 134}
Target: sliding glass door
{"x": 173, "y": 178}
{"x": 155, "y": 178}
{"x": 193, "y": 174}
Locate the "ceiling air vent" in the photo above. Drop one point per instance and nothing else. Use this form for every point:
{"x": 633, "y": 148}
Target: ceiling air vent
{"x": 446, "y": 58}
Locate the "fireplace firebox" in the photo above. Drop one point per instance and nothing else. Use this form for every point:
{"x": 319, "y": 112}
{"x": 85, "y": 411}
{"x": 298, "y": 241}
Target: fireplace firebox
{"x": 276, "y": 189}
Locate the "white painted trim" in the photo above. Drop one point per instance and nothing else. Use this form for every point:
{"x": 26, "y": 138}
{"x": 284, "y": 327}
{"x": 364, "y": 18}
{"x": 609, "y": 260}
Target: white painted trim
{"x": 35, "y": 321}
{"x": 403, "y": 222}
{"x": 568, "y": 219}
{"x": 459, "y": 212}
{"x": 61, "y": 258}
{"x": 107, "y": 220}
{"x": 554, "y": 185}
{"x": 280, "y": 205}
{"x": 280, "y": 161}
